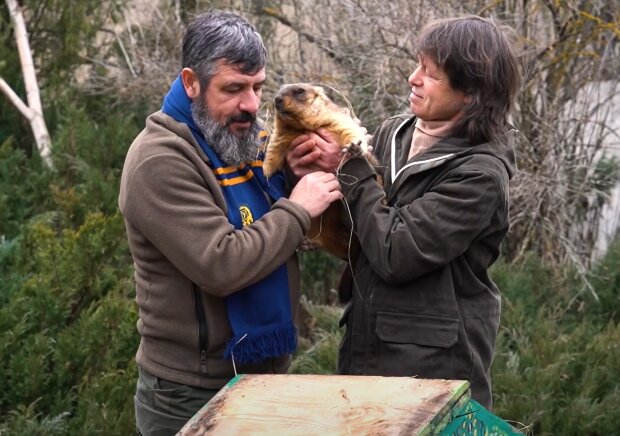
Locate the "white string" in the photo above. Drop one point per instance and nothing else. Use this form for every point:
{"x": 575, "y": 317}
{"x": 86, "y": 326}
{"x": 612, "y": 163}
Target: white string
{"x": 348, "y": 209}
{"x": 232, "y": 354}
{"x": 350, "y": 263}
{"x": 339, "y": 168}
{"x": 349, "y": 105}
{"x": 340, "y": 164}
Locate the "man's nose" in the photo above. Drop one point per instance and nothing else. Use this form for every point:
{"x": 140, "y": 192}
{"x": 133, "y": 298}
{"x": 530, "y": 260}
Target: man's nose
{"x": 250, "y": 102}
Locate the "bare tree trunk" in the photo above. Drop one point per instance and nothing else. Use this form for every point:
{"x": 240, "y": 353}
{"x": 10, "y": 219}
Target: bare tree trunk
{"x": 33, "y": 111}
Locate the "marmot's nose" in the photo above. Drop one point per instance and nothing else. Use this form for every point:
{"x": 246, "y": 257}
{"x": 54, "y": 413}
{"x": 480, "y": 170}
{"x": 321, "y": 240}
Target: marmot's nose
{"x": 279, "y": 102}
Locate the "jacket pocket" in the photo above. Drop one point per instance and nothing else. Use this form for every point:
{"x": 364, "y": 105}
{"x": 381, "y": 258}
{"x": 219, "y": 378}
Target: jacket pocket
{"x": 426, "y": 330}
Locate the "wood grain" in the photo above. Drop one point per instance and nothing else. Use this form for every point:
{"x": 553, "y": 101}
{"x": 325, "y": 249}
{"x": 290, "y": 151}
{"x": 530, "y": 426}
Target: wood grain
{"x": 322, "y": 405}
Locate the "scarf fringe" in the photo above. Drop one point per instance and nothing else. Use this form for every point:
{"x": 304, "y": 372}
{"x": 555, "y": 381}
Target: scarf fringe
{"x": 262, "y": 345}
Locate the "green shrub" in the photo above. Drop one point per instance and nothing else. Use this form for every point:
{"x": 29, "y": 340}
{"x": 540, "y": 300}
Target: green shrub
{"x": 24, "y": 190}
{"x": 320, "y": 273}
{"x": 88, "y": 157}
{"x": 69, "y": 321}
{"x": 318, "y": 354}
{"x": 558, "y": 353}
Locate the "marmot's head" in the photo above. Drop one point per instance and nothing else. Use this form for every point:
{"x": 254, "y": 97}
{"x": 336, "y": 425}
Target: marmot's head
{"x": 304, "y": 106}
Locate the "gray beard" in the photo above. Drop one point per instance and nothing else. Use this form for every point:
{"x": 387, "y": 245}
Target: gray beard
{"x": 231, "y": 149}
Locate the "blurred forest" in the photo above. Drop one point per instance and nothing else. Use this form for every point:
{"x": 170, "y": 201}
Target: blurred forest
{"x": 67, "y": 310}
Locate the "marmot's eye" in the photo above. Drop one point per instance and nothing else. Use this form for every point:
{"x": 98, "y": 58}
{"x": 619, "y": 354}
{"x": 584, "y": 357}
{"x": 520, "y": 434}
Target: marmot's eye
{"x": 299, "y": 91}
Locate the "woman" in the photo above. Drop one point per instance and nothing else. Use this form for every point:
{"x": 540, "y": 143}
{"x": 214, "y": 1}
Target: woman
{"x": 420, "y": 300}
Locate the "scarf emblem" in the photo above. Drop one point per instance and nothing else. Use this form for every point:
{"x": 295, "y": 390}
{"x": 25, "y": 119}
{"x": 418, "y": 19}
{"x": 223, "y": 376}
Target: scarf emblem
{"x": 246, "y": 215}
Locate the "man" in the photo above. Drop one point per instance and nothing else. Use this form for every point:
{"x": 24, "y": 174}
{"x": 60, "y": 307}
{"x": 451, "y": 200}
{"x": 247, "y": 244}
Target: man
{"x": 213, "y": 242}
{"x": 420, "y": 299}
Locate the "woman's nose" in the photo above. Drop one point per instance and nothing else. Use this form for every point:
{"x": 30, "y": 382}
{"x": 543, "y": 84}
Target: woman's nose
{"x": 414, "y": 78}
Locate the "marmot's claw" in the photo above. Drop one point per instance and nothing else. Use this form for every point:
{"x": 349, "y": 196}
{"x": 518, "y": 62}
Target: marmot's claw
{"x": 355, "y": 149}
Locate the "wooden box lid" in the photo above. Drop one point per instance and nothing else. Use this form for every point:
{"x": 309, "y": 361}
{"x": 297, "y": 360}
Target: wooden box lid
{"x": 329, "y": 405}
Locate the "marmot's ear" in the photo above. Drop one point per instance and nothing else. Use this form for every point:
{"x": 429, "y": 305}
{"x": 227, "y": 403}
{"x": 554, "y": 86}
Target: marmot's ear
{"x": 190, "y": 83}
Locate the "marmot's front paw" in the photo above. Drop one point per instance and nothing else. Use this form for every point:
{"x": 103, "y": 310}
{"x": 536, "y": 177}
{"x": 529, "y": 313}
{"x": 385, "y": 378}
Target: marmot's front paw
{"x": 354, "y": 149}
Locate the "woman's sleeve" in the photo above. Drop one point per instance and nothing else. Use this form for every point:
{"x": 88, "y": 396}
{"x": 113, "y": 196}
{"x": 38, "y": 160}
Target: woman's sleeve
{"x": 404, "y": 241}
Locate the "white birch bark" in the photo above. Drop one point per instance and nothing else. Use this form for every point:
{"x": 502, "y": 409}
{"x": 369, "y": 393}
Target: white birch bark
{"x": 33, "y": 110}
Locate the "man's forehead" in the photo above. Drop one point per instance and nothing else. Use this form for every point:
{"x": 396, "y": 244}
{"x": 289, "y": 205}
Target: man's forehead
{"x": 233, "y": 73}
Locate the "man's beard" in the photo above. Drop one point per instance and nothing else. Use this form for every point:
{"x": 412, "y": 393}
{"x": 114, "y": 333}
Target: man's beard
{"x": 231, "y": 149}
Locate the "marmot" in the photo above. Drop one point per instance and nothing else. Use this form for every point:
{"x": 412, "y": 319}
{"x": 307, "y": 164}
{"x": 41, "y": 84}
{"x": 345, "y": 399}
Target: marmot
{"x": 302, "y": 107}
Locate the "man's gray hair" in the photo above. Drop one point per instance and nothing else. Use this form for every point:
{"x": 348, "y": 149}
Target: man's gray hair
{"x": 219, "y": 35}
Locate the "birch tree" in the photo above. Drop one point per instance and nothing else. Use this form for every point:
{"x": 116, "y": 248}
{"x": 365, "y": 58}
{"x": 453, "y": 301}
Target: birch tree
{"x": 32, "y": 109}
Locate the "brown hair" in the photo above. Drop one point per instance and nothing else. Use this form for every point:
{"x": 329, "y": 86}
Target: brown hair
{"x": 479, "y": 58}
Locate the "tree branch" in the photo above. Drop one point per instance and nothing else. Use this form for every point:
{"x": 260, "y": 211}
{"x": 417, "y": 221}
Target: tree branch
{"x": 14, "y": 98}
{"x": 271, "y": 12}
{"x": 37, "y": 122}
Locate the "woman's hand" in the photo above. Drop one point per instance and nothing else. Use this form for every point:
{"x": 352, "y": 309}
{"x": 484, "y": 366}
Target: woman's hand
{"x": 314, "y": 151}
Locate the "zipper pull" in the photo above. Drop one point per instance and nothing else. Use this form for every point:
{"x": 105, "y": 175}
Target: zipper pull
{"x": 203, "y": 361}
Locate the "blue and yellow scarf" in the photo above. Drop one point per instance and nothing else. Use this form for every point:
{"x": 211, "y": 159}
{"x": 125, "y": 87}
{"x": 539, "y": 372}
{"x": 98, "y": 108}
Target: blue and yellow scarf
{"x": 260, "y": 315}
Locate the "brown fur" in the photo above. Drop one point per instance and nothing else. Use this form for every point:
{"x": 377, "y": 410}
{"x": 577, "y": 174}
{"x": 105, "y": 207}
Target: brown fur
{"x": 300, "y": 108}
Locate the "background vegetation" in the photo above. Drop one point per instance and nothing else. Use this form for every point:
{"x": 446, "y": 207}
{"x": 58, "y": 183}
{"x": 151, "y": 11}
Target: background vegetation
{"x": 67, "y": 314}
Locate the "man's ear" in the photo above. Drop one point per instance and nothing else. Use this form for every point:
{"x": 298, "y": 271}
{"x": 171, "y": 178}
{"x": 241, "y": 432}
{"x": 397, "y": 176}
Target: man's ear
{"x": 190, "y": 83}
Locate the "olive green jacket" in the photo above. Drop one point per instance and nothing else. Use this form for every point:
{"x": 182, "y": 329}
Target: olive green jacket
{"x": 188, "y": 257}
{"x": 422, "y": 303}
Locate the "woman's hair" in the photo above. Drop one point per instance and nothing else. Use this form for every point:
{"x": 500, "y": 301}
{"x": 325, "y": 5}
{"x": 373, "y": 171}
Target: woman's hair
{"x": 219, "y": 35}
{"x": 479, "y": 57}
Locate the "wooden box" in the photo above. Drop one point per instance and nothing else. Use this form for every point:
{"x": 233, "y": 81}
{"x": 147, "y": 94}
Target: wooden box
{"x": 330, "y": 405}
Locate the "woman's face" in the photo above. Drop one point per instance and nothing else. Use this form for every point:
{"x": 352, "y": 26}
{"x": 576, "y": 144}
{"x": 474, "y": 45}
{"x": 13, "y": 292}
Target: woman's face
{"x": 432, "y": 98}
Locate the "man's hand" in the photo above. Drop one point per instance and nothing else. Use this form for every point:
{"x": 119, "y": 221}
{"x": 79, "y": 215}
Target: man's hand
{"x": 313, "y": 152}
{"x": 316, "y": 191}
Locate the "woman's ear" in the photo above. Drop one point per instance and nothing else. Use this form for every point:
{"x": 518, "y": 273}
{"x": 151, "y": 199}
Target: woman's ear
{"x": 190, "y": 83}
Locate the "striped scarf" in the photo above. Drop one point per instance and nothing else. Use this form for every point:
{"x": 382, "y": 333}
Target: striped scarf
{"x": 260, "y": 315}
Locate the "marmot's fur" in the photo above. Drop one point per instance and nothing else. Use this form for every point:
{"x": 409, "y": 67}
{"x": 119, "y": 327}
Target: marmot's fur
{"x": 300, "y": 108}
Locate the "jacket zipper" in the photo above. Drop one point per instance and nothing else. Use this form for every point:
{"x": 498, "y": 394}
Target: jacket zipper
{"x": 366, "y": 307}
{"x": 203, "y": 331}
{"x": 348, "y": 344}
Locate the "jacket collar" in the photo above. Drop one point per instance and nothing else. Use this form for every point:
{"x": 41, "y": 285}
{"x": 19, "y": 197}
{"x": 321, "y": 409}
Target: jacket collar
{"x": 443, "y": 151}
